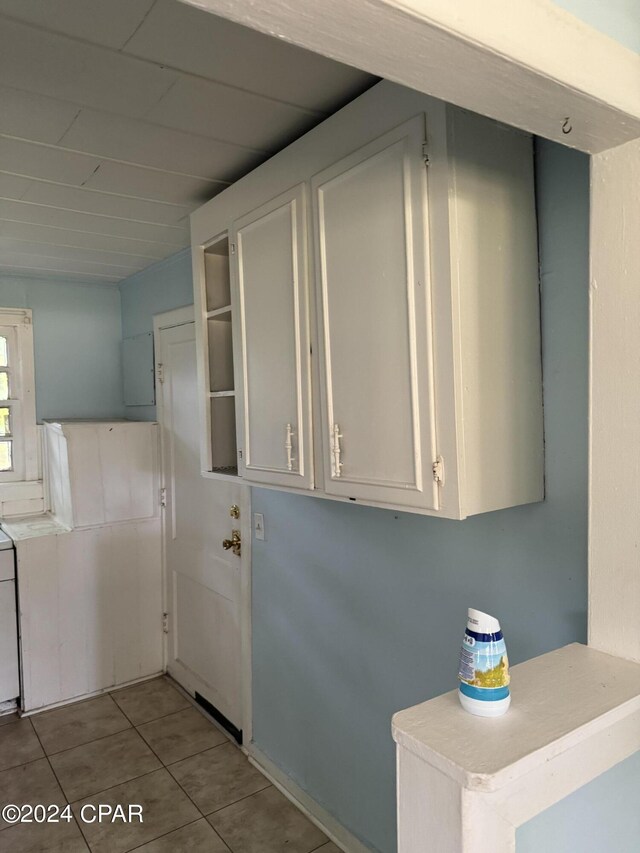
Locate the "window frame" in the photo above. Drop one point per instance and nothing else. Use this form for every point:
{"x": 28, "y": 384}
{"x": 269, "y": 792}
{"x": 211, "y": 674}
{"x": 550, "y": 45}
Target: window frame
{"x": 18, "y": 322}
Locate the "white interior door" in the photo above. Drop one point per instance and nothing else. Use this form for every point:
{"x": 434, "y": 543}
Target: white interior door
{"x": 204, "y": 582}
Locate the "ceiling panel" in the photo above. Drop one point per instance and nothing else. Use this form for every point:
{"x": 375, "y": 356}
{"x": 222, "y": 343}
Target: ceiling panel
{"x": 105, "y": 204}
{"x": 22, "y": 247}
{"x": 64, "y": 236}
{"x": 107, "y": 22}
{"x": 42, "y": 161}
{"x": 195, "y": 41}
{"x": 151, "y": 183}
{"x": 39, "y": 270}
{"x": 209, "y": 109}
{"x": 118, "y": 117}
{"x": 68, "y": 264}
{"x": 38, "y": 214}
{"x": 34, "y": 116}
{"x": 12, "y": 186}
{"x": 145, "y": 144}
{"x": 49, "y": 64}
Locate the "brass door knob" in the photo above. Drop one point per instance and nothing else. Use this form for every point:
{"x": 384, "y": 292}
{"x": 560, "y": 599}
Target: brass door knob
{"x": 234, "y": 544}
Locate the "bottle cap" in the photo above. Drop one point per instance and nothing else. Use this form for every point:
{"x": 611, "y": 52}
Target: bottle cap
{"x": 481, "y": 622}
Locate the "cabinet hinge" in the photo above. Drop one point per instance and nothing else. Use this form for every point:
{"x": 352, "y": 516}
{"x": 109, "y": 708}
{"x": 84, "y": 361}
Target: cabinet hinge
{"x": 233, "y": 248}
{"x": 163, "y": 497}
{"x": 165, "y": 623}
{"x": 160, "y": 373}
{"x": 425, "y": 153}
{"x": 438, "y": 470}
{"x": 239, "y": 453}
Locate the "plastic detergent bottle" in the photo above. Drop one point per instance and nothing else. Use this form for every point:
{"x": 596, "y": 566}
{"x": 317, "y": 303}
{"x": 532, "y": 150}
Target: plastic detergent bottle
{"x": 484, "y": 667}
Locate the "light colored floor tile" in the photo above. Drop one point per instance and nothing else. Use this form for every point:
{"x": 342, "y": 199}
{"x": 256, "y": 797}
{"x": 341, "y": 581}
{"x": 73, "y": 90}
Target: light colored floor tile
{"x": 266, "y": 823}
{"x": 150, "y": 700}
{"x": 6, "y": 719}
{"x": 30, "y": 784}
{"x": 198, "y": 837}
{"x": 93, "y": 767}
{"x": 60, "y": 837}
{"x": 73, "y": 725}
{"x": 218, "y": 777}
{"x": 18, "y": 744}
{"x": 180, "y": 735}
{"x": 164, "y": 808}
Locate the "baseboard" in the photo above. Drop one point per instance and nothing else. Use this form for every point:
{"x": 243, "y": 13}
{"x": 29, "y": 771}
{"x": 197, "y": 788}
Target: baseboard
{"x": 316, "y": 814}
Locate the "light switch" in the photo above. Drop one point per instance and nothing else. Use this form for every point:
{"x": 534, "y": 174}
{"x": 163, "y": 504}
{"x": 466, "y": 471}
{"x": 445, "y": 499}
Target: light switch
{"x": 258, "y": 525}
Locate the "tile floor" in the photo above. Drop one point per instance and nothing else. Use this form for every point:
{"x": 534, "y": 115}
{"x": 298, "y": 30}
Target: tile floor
{"x": 145, "y": 745}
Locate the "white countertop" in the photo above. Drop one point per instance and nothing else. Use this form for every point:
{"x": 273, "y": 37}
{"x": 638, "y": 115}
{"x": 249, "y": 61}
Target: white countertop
{"x": 557, "y": 700}
{"x": 32, "y": 526}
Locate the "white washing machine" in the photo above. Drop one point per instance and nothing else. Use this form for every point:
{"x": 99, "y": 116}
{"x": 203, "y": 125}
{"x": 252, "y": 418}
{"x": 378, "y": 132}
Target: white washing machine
{"x": 9, "y": 670}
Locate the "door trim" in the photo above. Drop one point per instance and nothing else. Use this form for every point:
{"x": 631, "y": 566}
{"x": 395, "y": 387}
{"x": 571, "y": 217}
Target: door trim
{"x": 168, "y": 320}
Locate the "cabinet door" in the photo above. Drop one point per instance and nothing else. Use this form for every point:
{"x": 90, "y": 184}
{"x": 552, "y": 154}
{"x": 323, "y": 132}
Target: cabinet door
{"x": 370, "y": 212}
{"x": 271, "y": 284}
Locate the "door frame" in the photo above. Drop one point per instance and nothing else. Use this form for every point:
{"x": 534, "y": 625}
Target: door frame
{"x": 161, "y": 322}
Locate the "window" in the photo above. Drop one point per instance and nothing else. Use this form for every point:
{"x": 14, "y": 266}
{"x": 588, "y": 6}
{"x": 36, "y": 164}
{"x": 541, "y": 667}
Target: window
{"x": 18, "y": 442}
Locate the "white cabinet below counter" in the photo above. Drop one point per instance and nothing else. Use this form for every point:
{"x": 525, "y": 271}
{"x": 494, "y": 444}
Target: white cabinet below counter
{"x": 383, "y": 321}
{"x": 9, "y": 675}
{"x": 90, "y": 604}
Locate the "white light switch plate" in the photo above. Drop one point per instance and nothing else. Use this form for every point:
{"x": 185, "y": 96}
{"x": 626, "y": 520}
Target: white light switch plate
{"x": 258, "y": 525}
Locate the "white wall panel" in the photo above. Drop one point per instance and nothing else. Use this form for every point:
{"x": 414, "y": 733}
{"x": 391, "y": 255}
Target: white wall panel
{"x": 614, "y": 471}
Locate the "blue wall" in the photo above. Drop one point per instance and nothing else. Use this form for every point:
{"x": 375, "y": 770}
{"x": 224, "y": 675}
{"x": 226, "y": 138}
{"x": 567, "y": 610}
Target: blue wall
{"x": 161, "y": 287}
{"x": 601, "y": 817}
{"x": 77, "y": 332}
{"x": 358, "y": 612}
{"x": 619, "y": 19}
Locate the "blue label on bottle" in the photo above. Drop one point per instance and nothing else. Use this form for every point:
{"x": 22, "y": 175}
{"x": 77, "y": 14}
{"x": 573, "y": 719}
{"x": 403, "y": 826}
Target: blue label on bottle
{"x": 484, "y": 665}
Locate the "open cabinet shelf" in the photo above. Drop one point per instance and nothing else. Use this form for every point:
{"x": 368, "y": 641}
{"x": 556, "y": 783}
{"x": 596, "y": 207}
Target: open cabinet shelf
{"x": 220, "y": 389}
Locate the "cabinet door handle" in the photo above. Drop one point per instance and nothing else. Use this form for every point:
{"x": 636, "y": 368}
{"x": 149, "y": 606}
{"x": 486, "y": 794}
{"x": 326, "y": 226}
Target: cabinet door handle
{"x": 288, "y": 446}
{"x": 336, "y": 451}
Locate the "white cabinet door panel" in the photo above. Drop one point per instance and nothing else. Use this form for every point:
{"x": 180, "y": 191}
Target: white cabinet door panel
{"x": 373, "y": 294}
{"x": 271, "y": 274}
{"x": 9, "y": 684}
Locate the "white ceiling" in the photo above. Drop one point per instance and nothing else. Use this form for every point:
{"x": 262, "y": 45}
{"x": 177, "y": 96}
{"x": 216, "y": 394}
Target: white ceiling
{"x": 119, "y": 117}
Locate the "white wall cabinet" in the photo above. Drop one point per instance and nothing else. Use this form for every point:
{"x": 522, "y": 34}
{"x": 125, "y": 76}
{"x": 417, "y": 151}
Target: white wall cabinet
{"x": 273, "y": 387}
{"x": 370, "y": 235}
{"x": 389, "y": 259}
